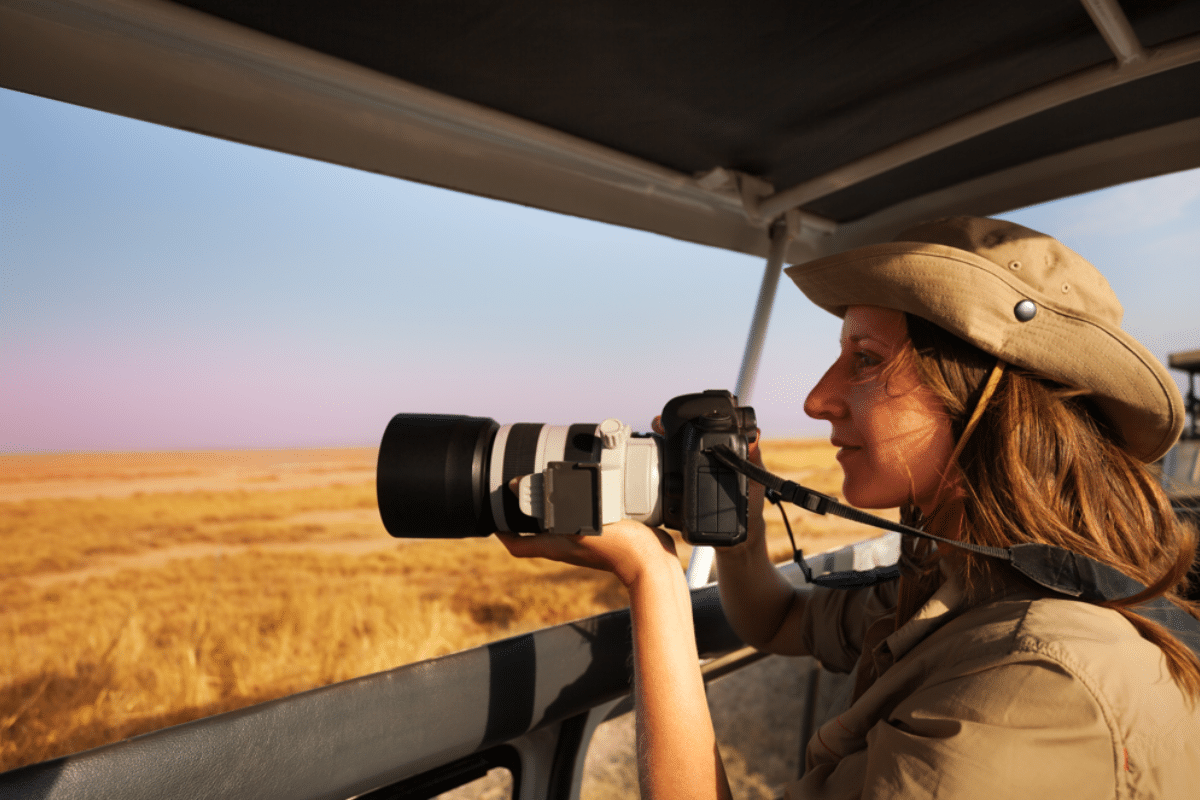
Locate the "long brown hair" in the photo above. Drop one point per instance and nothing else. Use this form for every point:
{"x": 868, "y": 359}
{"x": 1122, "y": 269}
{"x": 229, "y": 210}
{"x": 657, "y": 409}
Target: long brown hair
{"x": 1043, "y": 465}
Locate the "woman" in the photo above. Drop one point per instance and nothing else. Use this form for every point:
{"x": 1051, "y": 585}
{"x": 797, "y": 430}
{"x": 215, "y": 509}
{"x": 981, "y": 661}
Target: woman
{"x": 984, "y": 386}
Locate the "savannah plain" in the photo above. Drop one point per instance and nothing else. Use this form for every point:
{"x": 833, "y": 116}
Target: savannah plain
{"x": 141, "y": 590}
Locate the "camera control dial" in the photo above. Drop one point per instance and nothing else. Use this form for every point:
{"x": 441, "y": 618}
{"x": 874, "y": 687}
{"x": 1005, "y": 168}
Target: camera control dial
{"x": 613, "y": 433}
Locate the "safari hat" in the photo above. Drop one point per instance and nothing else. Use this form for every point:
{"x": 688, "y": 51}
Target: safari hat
{"x": 1021, "y": 296}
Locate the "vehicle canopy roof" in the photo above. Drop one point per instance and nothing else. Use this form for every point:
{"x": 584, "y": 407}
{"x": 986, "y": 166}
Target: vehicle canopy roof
{"x": 703, "y": 123}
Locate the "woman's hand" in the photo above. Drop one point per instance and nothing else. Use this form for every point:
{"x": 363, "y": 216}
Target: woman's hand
{"x": 624, "y": 548}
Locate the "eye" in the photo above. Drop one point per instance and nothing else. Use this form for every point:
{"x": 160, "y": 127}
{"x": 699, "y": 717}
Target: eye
{"x": 865, "y": 359}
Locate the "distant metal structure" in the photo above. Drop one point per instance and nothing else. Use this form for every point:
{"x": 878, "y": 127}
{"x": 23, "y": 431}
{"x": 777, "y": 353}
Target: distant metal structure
{"x": 1189, "y": 362}
{"x": 1181, "y": 465}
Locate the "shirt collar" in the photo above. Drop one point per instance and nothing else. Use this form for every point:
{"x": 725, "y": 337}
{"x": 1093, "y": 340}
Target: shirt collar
{"x": 936, "y": 611}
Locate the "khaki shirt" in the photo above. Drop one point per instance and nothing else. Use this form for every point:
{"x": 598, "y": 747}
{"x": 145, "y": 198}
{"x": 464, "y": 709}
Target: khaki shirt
{"x": 1025, "y": 697}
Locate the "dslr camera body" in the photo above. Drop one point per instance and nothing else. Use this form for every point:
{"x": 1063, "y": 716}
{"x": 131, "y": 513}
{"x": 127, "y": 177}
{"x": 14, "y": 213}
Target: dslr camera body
{"x": 446, "y": 476}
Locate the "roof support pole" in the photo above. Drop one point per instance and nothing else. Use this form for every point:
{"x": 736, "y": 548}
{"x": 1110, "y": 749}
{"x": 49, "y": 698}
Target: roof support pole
{"x": 1115, "y": 28}
{"x": 700, "y": 564}
{"x": 762, "y": 312}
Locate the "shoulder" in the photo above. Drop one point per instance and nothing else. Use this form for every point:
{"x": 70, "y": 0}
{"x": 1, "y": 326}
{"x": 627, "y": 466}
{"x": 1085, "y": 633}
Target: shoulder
{"x": 1024, "y": 697}
{"x": 1057, "y": 627}
{"x": 1092, "y": 641}
{"x": 1085, "y": 638}
{"x": 1072, "y": 665}
{"x": 1096, "y": 646}
{"x": 1147, "y": 712}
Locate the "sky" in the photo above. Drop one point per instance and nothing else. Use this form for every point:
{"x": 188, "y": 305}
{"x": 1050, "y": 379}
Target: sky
{"x": 161, "y": 290}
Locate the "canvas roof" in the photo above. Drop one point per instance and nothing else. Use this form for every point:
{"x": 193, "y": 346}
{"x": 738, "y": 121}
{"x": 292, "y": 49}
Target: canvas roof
{"x": 702, "y": 121}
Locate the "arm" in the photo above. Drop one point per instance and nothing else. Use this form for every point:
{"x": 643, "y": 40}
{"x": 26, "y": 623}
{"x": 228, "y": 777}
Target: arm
{"x": 677, "y": 748}
{"x": 764, "y": 609}
{"x": 677, "y": 751}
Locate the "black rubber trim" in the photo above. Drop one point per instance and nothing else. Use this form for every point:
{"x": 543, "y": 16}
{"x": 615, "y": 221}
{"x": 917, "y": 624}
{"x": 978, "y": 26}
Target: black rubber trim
{"x": 510, "y": 702}
{"x": 520, "y": 458}
{"x": 583, "y": 446}
{"x": 566, "y": 753}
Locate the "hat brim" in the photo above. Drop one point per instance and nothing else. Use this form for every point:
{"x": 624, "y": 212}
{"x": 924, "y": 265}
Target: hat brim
{"x": 975, "y": 299}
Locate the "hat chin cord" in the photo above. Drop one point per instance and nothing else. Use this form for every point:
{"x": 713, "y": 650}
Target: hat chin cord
{"x": 989, "y": 389}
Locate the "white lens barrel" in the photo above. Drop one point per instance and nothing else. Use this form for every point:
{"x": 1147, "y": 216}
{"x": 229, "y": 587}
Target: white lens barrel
{"x": 525, "y": 448}
{"x": 643, "y": 480}
{"x": 630, "y": 470}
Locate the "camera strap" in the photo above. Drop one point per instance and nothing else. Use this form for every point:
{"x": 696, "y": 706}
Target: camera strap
{"x": 1057, "y": 569}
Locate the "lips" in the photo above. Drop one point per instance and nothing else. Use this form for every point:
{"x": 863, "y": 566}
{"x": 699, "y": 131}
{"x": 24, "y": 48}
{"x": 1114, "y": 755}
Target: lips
{"x": 845, "y": 449}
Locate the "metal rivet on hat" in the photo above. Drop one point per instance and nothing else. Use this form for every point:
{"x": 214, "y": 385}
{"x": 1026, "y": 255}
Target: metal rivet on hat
{"x": 1025, "y": 310}
{"x": 1015, "y": 265}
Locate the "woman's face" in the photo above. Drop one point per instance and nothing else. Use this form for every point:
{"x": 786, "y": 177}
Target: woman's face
{"x": 894, "y": 435}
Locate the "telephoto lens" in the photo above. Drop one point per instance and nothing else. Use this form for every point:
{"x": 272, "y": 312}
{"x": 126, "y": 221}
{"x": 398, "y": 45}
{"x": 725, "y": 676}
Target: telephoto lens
{"x": 446, "y": 477}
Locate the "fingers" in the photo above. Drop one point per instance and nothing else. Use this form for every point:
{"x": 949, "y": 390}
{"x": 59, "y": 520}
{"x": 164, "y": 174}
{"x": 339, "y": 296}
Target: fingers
{"x": 666, "y": 540}
{"x": 753, "y": 451}
{"x": 624, "y": 548}
{"x": 519, "y": 546}
{"x": 555, "y": 547}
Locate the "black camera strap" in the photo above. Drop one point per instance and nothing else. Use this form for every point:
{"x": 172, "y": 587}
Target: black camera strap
{"x": 1057, "y": 569}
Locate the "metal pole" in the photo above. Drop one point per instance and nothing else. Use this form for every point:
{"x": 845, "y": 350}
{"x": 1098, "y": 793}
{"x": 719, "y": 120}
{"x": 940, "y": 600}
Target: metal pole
{"x": 762, "y": 313}
{"x": 701, "y": 561}
{"x": 1117, "y": 32}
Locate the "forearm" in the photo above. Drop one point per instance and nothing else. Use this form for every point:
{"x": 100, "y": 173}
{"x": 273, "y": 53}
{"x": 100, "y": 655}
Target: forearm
{"x": 764, "y": 609}
{"x": 677, "y": 748}
{"x": 676, "y": 744}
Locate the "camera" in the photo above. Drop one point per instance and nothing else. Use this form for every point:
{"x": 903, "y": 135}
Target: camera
{"x": 444, "y": 476}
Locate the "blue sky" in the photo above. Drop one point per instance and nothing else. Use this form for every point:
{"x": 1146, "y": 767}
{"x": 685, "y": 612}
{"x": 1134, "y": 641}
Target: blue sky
{"x": 163, "y": 290}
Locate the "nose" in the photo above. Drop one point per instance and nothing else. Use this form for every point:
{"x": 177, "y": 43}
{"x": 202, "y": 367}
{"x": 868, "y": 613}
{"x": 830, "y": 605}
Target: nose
{"x": 825, "y": 401}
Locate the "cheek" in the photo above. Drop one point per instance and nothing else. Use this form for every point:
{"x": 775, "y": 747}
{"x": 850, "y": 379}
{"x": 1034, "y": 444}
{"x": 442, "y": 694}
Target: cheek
{"x": 923, "y": 444}
{"x": 909, "y": 443}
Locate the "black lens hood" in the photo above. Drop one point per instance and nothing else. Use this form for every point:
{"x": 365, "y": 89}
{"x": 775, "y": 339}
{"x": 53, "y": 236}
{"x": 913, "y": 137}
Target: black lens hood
{"x": 432, "y": 476}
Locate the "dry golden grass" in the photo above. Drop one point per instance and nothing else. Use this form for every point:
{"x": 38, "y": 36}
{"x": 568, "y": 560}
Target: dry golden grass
{"x": 27, "y": 476}
{"x": 61, "y": 534}
{"x": 129, "y": 612}
{"x": 106, "y": 658}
